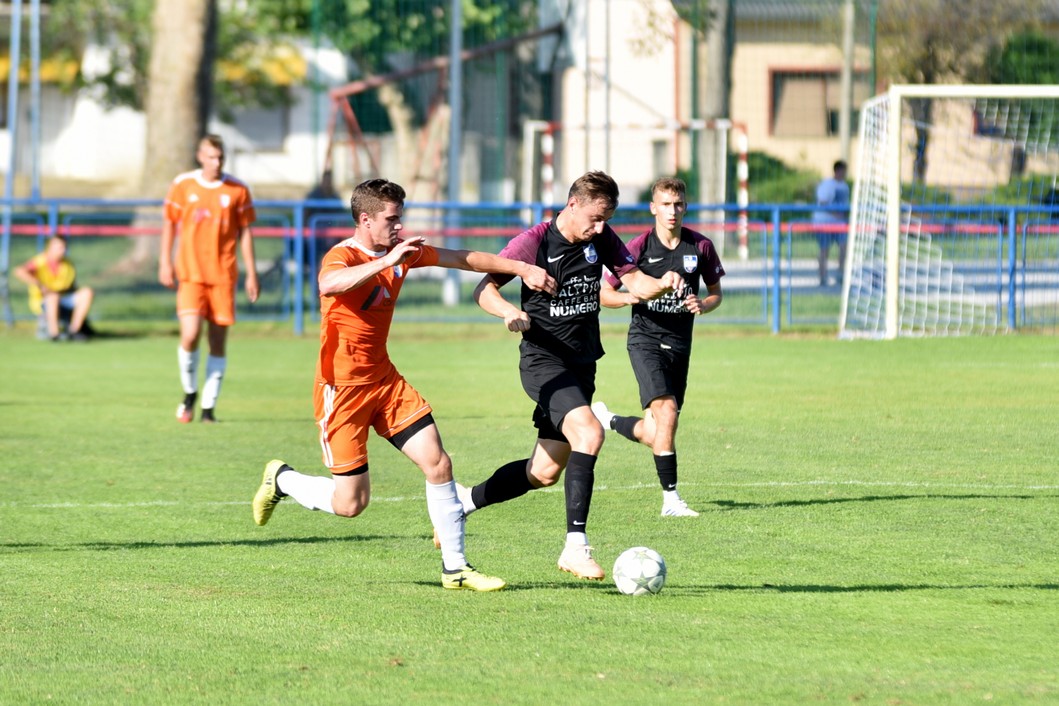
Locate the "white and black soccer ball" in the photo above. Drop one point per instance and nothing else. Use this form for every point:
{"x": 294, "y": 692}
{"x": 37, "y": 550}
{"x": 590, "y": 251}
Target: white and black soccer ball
{"x": 639, "y": 571}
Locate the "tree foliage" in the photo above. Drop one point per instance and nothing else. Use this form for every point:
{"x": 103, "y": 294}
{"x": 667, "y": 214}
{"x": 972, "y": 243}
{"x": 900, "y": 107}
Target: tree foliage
{"x": 374, "y": 33}
{"x": 1025, "y": 57}
{"x": 120, "y": 31}
{"x": 940, "y": 41}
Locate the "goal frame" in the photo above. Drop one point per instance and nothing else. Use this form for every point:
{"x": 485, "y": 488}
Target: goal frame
{"x": 895, "y": 96}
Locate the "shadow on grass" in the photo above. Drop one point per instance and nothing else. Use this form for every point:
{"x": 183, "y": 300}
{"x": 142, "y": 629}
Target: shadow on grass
{"x": 113, "y": 546}
{"x": 734, "y": 505}
{"x": 558, "y": 584}
{"x": 860, "y": 588}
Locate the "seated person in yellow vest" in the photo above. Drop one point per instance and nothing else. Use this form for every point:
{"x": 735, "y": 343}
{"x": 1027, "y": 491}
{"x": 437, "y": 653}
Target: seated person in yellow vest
{"x": 51, "y": 278}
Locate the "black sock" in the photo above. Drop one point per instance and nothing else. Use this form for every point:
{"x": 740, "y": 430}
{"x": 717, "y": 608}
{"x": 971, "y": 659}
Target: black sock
{"x": 625, "y": 426}
{"x": 667, "y": 471}
{"x": 507, "y": 483}
{"x": 580, "y": 477}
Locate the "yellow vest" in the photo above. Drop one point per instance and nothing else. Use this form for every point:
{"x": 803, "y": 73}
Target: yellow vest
{"x": 58, "y": 279}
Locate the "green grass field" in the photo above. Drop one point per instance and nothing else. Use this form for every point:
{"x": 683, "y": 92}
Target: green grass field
{"x": 879, "y": 525}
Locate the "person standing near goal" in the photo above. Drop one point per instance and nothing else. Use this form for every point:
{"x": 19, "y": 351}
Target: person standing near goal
{"x": 831, "y": 194}
{"x": 358, "y": 388}
{"x": 211, "y": 212}
{"x": 558, "y": 354}
{"x": 661, "y": 331}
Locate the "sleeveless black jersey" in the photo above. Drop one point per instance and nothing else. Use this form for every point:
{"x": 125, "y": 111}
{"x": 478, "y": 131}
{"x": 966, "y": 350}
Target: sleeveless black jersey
{"x": 567, "y": 324}
{"x": 665, "y": 321}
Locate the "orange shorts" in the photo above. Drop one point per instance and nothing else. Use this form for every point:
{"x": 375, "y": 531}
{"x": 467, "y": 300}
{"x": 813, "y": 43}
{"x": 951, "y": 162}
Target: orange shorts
{"x": 344, "y": 414}
{"x": 213, "y": 302}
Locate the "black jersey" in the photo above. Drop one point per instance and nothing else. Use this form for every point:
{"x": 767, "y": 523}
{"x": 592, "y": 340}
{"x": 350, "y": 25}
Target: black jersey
{"x": 567, "y": 324}
{"x": 665, "y": 320}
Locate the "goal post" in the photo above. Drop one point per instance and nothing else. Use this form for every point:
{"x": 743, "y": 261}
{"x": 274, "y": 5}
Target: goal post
{"x": 940, "y": 168}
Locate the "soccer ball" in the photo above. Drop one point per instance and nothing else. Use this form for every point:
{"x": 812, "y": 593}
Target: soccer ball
{"x": 639, "y": 571}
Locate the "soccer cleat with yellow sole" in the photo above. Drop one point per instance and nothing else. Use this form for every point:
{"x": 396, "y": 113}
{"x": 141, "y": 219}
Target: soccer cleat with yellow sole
{"x": 469, "y": 578}
{"x": 268, "y": 493}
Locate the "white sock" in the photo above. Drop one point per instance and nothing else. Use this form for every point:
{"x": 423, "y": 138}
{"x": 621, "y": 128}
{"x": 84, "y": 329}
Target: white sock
{"x": 464, "y": 494}
{"x": 211, "y": 388}
{"x": 313, "y": 492}
{"x": 188, "y": 361}
{"x": 576, "y": 539}
{"x": 446, "y": 514}
{"x": 670, "y": 496}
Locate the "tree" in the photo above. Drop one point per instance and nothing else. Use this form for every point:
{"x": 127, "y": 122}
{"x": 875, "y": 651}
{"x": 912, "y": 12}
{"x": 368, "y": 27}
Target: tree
{"x": 380, "y": 36}
{"x": 177, "y": 101}
{"x": 1025, "y": 57}
{"x": 940, "y": 41}
{"x": 122, "y": 31}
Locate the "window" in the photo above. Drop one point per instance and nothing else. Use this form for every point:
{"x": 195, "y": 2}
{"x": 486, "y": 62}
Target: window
{"x": 808, "y": 103}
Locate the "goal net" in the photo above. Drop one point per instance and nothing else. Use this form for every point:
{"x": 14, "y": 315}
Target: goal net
{"x": 955, "y": 213}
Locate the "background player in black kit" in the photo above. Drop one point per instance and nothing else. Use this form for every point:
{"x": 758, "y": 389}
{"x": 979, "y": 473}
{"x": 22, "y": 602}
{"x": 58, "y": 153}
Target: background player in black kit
{"x": 660, "y": 333}
{"x": 558, "y": 353}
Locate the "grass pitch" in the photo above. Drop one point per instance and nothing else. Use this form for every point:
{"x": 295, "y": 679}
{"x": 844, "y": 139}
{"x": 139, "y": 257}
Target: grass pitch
{"x": 879, "y": 525}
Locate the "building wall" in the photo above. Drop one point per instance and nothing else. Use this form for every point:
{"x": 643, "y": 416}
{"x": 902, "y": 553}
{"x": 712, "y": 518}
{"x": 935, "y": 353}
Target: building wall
{"x": 81, "y": 139}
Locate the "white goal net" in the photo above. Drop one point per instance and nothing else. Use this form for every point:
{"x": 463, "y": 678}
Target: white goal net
{"x": 954, "y": 220}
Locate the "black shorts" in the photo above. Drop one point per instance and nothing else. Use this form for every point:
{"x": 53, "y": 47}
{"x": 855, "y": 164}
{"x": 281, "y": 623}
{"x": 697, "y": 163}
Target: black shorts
{"x": 659, "y": 372}
{"x": 557, "y": 387}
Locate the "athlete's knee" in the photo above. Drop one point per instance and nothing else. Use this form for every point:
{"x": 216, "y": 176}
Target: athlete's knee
{"x": 349, "y": 507}
{"x": 438, "y": 471}
{"x": 544, "y": 474}
{"x": 583, "y": 432}
{"x": 664, "y": 414}
{"x": 545, "y": 479}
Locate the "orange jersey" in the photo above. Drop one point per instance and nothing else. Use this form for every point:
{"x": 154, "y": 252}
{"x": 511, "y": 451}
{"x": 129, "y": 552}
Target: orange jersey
{"x": 209, "y": 217}
{"x": 354, "y": 326}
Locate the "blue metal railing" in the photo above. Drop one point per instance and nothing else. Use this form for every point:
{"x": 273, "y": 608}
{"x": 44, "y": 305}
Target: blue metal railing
{"x": 1014, "y": 251}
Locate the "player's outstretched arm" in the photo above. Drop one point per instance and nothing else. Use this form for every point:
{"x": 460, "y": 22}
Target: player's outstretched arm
{"x": 645, "y": 287}
{"x": 339, "y": 280}
{"x": 612, "y": 298}
{"x": 487, "y": 295}
{"x": 534, "y": 277}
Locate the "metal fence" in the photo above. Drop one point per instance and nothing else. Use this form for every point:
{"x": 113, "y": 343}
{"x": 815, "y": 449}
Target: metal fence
{"x": 769, "y": 252}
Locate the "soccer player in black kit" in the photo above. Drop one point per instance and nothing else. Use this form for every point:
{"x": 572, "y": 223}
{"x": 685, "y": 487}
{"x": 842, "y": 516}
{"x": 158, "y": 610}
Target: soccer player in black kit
{"x": 558, "y": 353}
{"x": 660, "y": 333}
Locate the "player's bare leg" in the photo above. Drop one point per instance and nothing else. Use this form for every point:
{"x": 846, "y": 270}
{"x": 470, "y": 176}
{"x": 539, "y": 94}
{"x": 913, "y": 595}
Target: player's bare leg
{"x": 425, "y": 449}
{"x": 656, "y": 429}
{"x": 188, "y": 363}
{"x": 82, "y": 304}
{"x": 216, "y": 365}
{"x": 660, "y": 426}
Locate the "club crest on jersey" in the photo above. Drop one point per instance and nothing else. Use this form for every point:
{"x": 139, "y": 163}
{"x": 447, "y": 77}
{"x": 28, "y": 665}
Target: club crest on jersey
{"x": 590, "y": 254}
{"x": 397, "y": 271}
{"x": 226, "y": 200}
{"x": 690, "y": 263}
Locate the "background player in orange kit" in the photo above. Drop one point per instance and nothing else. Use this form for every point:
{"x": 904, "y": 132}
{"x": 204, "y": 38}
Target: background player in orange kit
{"x": 210, "y": 212}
